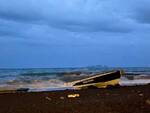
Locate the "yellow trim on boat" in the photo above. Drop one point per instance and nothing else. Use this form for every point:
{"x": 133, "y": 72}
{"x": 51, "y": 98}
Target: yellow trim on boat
{"x": 99, "y": 84}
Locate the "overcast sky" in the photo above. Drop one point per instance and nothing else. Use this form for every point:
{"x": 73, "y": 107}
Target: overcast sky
{"x": 72, "y": 33}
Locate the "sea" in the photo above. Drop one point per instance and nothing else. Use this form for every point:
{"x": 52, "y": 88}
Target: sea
{"x": 48, "y": 79}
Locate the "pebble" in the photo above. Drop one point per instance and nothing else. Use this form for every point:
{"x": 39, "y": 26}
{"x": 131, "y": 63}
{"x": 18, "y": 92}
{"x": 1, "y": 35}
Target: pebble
{"x": 148, "y": 101}
{"x": 73, "y": 95}
{"x": 47, "y": 98}
{"x": 141, "y": 94}
{"x": 62, "y": 98}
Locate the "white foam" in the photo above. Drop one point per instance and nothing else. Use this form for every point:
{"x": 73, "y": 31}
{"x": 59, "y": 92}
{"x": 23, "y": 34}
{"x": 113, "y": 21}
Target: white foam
{"x": 126, "y": 82}
{"x": 49, "y": 89}
{"x": 52, "y": 84}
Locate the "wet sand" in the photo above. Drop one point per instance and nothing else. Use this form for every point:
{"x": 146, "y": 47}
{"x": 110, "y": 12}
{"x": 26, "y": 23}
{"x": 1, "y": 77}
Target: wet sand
{"x": 135, "y": 99}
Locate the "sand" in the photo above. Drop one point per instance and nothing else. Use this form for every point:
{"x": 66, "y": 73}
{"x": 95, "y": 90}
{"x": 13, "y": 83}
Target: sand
{"x": 133, "y": 99}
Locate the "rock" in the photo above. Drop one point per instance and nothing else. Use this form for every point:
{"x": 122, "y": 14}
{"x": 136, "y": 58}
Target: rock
{"x": 73, "y": 95}
{"x": 62, "y": 98}
{"x": 47, "y": 98}
{"x": 148, "y": 101}
{"x": 141, "y": 95}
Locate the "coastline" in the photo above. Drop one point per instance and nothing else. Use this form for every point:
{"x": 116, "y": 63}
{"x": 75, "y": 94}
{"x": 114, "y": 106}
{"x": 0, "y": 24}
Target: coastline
{"x": 127, "y": 99}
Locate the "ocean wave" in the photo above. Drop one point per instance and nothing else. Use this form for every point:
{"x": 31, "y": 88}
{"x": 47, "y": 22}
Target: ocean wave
{"x": 134, "y": 82}
{"x": 48, "y": 79}
{"x": 34, "y": 84}
{"x": 39, "y": 73}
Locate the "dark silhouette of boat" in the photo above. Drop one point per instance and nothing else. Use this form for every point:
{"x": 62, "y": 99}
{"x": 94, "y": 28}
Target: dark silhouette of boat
{"x": 102, "y": 80}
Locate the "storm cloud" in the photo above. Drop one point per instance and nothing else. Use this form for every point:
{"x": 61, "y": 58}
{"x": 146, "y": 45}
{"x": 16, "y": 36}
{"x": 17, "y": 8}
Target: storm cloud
{"x": 76, "y": 27}
{"x": 142, "y": 12}
{"x": 73, "y": 15}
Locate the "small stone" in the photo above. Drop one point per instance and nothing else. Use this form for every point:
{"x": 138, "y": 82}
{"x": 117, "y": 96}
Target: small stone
{"x": 141, "y": 94}
{"x": 73, "y": 95}
{"x": 47, "y": 98}
{"x": 147, "y": 102}
{"x": 62, "y": 98}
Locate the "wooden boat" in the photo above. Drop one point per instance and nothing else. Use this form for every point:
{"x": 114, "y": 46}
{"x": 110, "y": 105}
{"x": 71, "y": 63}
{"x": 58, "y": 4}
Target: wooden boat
{"x": 102, "y": 80}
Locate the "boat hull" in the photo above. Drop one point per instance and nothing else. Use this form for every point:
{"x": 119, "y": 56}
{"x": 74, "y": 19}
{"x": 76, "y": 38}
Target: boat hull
{"x": 99, "y": 80}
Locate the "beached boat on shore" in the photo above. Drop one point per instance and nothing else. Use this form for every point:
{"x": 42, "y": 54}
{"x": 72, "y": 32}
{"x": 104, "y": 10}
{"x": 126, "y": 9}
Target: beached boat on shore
{"x": 102, "y": 80}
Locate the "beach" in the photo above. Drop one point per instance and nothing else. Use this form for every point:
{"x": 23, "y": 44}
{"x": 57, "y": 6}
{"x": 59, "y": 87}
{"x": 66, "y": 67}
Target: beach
{"x": 127, "y": 99}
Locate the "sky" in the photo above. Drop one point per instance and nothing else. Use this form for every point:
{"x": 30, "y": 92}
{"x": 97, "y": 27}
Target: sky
{"x": 74, "y": 33}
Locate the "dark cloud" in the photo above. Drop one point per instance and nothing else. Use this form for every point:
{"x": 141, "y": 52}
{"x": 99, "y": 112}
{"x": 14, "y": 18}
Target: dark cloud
{"x": 78, "y": 16}
{"x": 12, "y": 28}
{"x": 18, "y": 10}
{"x": 142, "y": 12}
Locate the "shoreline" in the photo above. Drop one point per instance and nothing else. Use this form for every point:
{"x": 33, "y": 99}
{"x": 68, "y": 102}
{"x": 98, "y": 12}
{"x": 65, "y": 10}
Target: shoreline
{"x": 127, "y": 99}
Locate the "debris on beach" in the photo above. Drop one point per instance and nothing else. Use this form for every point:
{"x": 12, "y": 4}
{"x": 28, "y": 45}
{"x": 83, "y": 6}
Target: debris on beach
{"x": 148, "y": 101}
{"x": 48, "y": 98}
{"x": 22, "y": 90}
{"x": 73, "y": 95}
{"x": 141, "y": 95}
{"x": 62, "y": 98}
